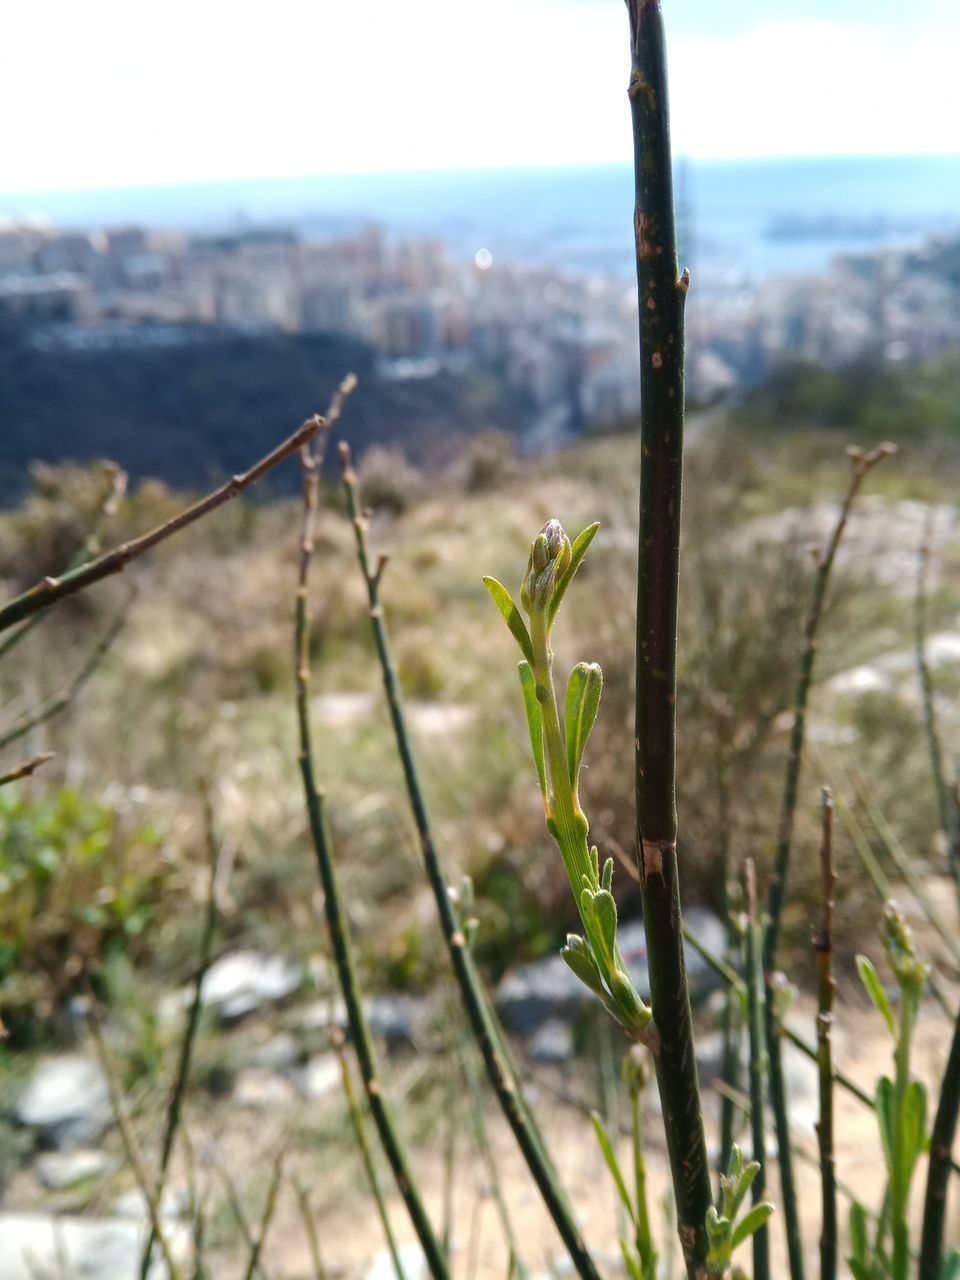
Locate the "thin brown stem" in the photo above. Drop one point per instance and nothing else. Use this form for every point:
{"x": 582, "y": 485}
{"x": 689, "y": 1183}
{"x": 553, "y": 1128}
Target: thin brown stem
{"x": 861, "y": 465}
{"x": 49, "y": 590}
{"x": 25, "y": 769}
{"x": 117, "y": 481}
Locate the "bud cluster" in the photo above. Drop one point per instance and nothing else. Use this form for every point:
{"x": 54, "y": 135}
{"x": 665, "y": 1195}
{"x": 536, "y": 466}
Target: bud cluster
{"x": 550, "y": 557}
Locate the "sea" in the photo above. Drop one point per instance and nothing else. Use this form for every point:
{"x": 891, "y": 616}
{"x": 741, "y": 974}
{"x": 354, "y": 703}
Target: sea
{"x": 739, "y": 222}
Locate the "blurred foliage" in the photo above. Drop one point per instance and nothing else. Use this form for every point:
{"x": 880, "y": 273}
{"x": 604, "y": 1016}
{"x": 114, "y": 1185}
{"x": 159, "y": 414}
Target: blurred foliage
{"x": 75, "y": 883}
{"x": 870, "y": 399}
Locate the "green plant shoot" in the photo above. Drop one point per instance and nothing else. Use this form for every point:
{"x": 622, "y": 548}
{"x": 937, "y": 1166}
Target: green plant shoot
{"x": 901, "y": 1103}
{"x": 725, "y": 1232}
{"x": 558, "y": 750}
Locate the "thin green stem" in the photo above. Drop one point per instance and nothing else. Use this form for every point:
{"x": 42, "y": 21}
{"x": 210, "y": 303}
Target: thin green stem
{"x": 482, "y": 1139}
{"x": 884, "y": 888}
{"x": 269, "y": 1208}
{"x": 643, "y": 1236}
{"x": 188, "y": 1040}
{"x": 571, "y": 828}
{"x": 946, "y": 797}
{"x": 475, "y": 1004}
{"x": 333, "y": 904}
{"x": 826, "y": 989}
{"x": 130, "y": 1148}
{"x": 758, "y": 1055}
{"x": 901, "y": 860}
{"x": 310, "y": 1230}
{"x": 662, "y": 291}
{"x": 938, "y": 1173}
{"x": 360, "y": 1132}
{"x": 60, "y": 703}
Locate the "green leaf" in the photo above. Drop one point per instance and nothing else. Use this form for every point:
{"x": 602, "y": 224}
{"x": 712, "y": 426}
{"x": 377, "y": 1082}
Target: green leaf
{"x": 511, "y": 615}
{"x": 579, "y": 958}
{"x": 745, "y": 1181}
{"x": 951, "y": 1266}
{"x": 610, "y": 1156}
{"x": 531, "y": 704}
{"x": 583, "y": 699}
{"x": 605, "y": 910}
{"x": 606, "y": 880}
{"x": 858, "y": 1231}
{"x": 750, "y": 1223}
{"x": 579, "y": 550}
{"x": 858, "y": 1269}
{"x": 886, "y": 1108}
{"x": 874, "y": 989}
{"x": 913, "y": 1127}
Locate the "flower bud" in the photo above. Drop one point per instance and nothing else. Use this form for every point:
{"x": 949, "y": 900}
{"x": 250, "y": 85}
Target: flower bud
{"x": 907, "y": 964}
{"x": 550, "y": 557}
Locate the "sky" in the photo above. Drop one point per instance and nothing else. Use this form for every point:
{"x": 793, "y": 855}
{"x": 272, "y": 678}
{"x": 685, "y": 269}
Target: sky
{"x": 134, "y": 92}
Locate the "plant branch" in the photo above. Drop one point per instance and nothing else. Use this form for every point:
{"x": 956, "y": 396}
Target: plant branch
{"x": 273, "y": 1191}
{"x": 662, "y": 291}
{"x": 758, "y": 1054}
{"x": 826, "y": 989}
{"x": 360, "y": 1133}
{"x": 49, "y": 590}
{"x": 333, "y": 904}
{"x": 26, "y": 769}
{"x": 861, "y": 464}
{"x": 117, "y": 480}
{"x": 946, "y": 796}
{"x": 476, "y": 1006}
{"x": 938, "y": 1173}
{"x": 188, "y": 1040}
{"x": 134, "y": 1159}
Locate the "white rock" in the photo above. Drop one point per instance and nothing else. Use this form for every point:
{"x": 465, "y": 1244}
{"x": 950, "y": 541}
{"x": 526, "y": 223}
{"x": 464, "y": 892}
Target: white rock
{"x": 43, "y": 1247}
{"x": 240, "y": 983}
{"x": 60, "y": 1169}
{"x": 412, "y": 1261}
{"x": 320, "y": 1076}
{"x": 67, "y": 1101}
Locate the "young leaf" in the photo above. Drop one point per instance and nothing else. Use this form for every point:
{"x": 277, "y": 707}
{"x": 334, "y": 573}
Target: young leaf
{"x": 583, "y": 699}
{"x": 886, "y": 1107}
{"x": 630, "y": 1263}
{"x": 610, "y": 1157}
{"x": 606, "y": 881}
{"x": 744, "y": 1182}
{"x": 579, "y": 959}
{"x": 534, "y": 712}
{"x": 913, "y": 1122}
{"x": 579, "y": 550}
{"x": 874, "y": 989}
{"x": 858, "y": 1232}
{"x": 511, "y": 615}
{"x": 750, "y": 1223}
{"x": 605, "y": 910}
